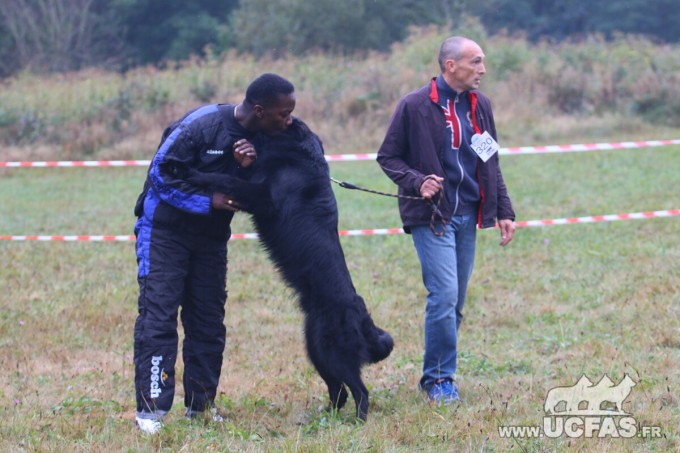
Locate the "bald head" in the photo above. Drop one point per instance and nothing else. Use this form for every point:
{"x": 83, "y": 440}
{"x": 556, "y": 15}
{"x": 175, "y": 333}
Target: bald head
{"x": 452, "y": 49}
{"x": 462, "y": 63}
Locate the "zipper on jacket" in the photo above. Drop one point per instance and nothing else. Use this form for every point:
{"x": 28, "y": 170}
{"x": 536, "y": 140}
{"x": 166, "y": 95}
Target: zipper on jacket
{"x": 460, "y": 166}
{"x": 482, "y": 195}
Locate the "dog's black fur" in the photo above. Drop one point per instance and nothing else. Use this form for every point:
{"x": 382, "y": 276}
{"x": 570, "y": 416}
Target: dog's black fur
{"x": 288, "y": 192}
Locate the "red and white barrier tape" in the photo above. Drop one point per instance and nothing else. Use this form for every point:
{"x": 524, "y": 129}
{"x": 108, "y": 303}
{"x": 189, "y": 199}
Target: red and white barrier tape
{"x": 599, "y": 218}
{"x": 76, "y": 163}
{"x": 365, "y": 156}
{"x": 578, "y": 148}
{"x": 371, "y": 232}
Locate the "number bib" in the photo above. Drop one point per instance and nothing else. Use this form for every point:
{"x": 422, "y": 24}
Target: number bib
{"x": 484, "y": 145}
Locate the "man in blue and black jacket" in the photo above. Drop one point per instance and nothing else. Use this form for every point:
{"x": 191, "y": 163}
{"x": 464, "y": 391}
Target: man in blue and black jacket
{"x": 182, "y": 232}
{"x": 441, "y": 145}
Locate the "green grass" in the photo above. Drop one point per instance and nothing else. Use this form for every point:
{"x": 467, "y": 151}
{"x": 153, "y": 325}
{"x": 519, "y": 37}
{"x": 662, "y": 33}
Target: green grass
{"x": 558, "y": 302}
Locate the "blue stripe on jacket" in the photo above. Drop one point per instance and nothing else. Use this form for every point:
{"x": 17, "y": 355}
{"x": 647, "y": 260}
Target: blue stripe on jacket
{"x": 199, "y": 204}
{"x": 143, "y": 229}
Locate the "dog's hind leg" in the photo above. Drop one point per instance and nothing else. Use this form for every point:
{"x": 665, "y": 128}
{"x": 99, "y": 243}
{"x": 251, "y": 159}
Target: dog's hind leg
{"x": 336, "y": 390}
{"x": 349, "y": 372}
{"x": 335, "y": 372}
{"x": 360, "y": 395}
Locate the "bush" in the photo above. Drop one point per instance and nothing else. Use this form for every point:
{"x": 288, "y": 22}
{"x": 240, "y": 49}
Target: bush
{"x": 536, "y": 89}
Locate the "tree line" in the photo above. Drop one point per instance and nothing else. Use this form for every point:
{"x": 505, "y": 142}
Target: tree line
{"x": 64, "y": 35}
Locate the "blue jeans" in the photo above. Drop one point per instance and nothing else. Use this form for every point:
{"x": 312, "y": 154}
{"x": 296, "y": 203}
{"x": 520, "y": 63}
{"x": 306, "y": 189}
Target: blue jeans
{"x": 446, "y": 262}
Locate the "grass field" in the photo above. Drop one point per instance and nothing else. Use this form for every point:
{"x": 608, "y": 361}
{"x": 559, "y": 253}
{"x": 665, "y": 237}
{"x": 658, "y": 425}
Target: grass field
{"x": 557, "y": 303}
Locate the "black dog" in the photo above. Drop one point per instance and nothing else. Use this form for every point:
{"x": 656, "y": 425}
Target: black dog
{"x": 288, "y": 192}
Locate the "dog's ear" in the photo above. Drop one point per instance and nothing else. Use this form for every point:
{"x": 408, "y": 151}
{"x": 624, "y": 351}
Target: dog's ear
{"x": 359, "y": 301}
{"x": 299, "y": 129}
{"x": 295, "y": 134}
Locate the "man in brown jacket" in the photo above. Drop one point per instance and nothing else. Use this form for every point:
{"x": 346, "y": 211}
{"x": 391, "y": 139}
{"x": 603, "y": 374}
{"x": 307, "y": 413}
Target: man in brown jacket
{"x": 441, "y": 145}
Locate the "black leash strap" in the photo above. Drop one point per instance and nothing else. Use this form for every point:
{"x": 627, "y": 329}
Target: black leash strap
{"x": 435, "y": 207}
{"x": 349, "y": 185}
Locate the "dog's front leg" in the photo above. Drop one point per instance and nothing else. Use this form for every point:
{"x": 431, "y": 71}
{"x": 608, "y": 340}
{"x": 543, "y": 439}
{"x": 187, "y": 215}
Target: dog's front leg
{"x": 248, "y": 194}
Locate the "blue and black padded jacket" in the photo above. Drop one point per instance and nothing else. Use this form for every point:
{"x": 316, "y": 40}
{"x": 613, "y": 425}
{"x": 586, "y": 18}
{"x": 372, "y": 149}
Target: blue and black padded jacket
{"x": 201, "y": 140}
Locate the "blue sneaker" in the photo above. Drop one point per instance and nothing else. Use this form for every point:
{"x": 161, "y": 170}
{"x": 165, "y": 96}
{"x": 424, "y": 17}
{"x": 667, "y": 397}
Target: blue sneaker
{"x": 443, "y": 392}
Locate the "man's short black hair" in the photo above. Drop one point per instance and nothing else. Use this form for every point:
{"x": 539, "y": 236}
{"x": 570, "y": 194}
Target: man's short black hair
{"x": 266, "y": 89}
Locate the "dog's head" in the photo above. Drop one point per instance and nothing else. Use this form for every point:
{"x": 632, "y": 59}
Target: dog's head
{"x": 298, "y": 138}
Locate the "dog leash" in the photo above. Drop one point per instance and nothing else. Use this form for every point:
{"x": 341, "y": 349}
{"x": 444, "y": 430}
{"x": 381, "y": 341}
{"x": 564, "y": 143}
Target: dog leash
{"x": 435, "y": 207}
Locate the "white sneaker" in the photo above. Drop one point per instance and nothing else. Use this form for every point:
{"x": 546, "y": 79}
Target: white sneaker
{"x": 148, "y": 425}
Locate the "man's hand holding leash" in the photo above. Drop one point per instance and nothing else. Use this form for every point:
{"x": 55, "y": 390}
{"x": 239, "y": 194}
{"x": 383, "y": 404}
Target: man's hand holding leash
{"x": 431, "y": 186}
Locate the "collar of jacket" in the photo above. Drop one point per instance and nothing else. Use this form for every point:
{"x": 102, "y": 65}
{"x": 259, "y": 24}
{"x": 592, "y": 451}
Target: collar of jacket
{"x": 472, "y": 97}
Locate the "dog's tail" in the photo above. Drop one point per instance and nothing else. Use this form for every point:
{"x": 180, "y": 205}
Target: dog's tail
{"x": 381, "y": 345}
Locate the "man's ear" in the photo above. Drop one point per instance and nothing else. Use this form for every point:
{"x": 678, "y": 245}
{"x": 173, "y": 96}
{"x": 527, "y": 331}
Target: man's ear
{"x": 450, "y": 65}
{"x": 259, "y": 111}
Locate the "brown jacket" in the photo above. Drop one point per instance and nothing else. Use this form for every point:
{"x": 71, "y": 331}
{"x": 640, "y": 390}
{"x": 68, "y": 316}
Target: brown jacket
{"x": 413, "y": 147}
